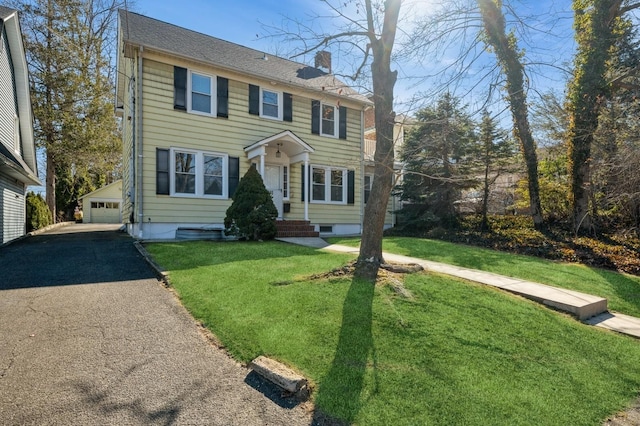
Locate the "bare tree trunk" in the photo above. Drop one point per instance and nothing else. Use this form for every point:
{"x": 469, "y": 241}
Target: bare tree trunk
{"x": 508, "y": 57}
{"x": 589, "y": 88}
{"x": 384, "y": 80}
{"x": 484, "y": 225}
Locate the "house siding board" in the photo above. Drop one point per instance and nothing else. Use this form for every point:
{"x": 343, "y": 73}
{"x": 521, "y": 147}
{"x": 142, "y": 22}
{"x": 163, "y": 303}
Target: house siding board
{"x": 12, "y": 209}
{"x": 9, "y": 105}
{"x": 165, "y": 127}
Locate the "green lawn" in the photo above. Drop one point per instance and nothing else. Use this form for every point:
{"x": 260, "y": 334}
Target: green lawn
{"x": 622, "y": 291}
{"x": 454, "y": 354}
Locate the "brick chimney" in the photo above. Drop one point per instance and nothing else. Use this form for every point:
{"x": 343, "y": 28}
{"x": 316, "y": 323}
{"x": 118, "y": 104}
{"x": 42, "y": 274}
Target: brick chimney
{"x": 323, "y": 61}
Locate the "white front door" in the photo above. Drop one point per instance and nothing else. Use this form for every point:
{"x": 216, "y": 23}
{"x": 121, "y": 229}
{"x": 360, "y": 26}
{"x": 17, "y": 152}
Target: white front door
{"x": 273, "y": 183}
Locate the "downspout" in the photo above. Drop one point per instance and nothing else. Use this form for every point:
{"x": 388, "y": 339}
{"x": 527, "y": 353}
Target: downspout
{"x": 139, "y": 147}
{"x": 362, "y": 168}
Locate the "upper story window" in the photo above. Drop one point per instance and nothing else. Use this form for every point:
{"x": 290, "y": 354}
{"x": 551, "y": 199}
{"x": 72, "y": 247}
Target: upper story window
{"x": 198, "y": 174}
{"x": 201, "y": 93}
{"x": 328, "y": 120}
{"x": 270, "y": 104}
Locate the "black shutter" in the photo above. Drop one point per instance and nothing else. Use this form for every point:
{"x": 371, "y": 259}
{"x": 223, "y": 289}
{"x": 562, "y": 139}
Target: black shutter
{"x": 223, "y": 97}
{"x": 254, "y": 99}
{"x": 351, "y": 183}
{"x": 234, "y": 175}
{"x": 315, "y": 117}
{"x": 287, "y": 114}
{"x": 180, "y": 88}
{"x": 162, "y": 171}
{"x": 342, "y": 125}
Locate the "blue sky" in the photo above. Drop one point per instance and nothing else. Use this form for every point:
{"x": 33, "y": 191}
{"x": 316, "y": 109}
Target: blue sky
{"x": 242, "y": 21}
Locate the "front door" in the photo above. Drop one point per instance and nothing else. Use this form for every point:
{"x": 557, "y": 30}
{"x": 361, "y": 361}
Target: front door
{"x": 273, "y": 183}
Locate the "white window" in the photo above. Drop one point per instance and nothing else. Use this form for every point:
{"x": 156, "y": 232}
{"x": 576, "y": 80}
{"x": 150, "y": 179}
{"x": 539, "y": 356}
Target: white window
{"x": 198, "y": 174}
{"x": 202, "y": 90}
{"x": 368, "y": 180}
{"x": 328, "y": 185}
{"x": 328, "y": 120}
{"x": 270, "y": 104}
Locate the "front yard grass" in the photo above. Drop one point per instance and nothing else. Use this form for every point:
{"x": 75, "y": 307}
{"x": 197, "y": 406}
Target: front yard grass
{"x": 622, "y": 291}
{"x": 455, "y": 353}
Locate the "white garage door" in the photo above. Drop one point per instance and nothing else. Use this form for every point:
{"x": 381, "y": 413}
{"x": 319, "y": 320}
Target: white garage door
{"x": 105, "y": 212}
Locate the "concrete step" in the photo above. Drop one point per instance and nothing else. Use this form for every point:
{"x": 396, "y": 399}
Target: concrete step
{"x": 581, "y": 305}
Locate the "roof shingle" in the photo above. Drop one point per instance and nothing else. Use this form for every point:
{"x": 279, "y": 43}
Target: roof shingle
{"x": 155, "y": 34}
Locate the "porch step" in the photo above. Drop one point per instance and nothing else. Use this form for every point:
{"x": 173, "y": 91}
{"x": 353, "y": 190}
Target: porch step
{"x": 295, "y": 228}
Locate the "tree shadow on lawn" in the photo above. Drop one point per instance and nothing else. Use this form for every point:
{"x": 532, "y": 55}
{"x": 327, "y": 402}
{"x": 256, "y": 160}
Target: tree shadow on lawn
{"x": 341, "y": 388}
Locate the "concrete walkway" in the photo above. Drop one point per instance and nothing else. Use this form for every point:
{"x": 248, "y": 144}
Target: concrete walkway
{"x": 587, "y": 308}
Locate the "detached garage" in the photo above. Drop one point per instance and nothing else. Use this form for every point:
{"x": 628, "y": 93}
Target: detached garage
{"x": 103, "y": 205}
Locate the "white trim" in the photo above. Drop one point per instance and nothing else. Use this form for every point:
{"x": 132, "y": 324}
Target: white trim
{"x": 214, "y": 93}
{"x": 280, "y": 104}
{"x": 336, "y": 120}
{"x": 286, "y": 136}
{"x": 199, "y": 174}
{"x": 327, "y": 184}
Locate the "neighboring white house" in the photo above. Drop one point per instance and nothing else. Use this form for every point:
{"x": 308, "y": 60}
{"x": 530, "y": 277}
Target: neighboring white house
{"x": 103, "y": 205}
{"x": 18, "y": 167}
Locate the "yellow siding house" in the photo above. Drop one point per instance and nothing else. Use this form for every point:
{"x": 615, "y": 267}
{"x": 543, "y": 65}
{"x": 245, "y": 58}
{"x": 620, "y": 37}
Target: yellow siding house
{"x": 198, "y": 111}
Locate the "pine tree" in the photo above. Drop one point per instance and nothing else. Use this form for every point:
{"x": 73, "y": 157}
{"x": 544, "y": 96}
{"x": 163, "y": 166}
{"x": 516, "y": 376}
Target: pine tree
{"x": 252, "y": 215}
{"x": 438, "y": 157}
{"x": 72, "y": 90}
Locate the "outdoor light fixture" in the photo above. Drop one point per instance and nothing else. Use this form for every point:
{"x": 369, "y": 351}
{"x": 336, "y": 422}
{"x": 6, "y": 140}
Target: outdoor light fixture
{"x": 278, "y": 153}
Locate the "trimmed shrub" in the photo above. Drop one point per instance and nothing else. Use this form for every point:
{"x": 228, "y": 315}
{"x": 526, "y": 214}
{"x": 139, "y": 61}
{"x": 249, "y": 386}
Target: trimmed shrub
{"x": 38, "y": 213}
{"x": 252, "y": 215}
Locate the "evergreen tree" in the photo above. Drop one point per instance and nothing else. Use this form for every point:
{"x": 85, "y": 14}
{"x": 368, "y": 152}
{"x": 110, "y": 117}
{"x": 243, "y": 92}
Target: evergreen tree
{"x": 438, "y": 156}
{"x": 72, "y": 90}
{"x": 252, "y": 215}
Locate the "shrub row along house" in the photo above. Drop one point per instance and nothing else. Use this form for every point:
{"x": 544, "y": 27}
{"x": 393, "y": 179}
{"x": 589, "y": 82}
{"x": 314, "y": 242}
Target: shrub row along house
{"x": 198, "y": 111}
{"x": 18, "y": 167}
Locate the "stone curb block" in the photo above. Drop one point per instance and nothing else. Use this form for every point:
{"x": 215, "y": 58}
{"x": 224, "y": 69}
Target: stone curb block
{"x": 280, "y": 374}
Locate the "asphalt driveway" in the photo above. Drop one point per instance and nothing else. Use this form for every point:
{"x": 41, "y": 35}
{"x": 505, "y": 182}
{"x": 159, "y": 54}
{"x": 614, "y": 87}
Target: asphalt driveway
{"x": 89, "y": 336}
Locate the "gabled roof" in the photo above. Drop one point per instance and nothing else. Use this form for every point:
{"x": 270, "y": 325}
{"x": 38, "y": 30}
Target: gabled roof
{"x": 139, "y": 30}
{"x": 103, "y": 189}
{"x": 25, "y": 167}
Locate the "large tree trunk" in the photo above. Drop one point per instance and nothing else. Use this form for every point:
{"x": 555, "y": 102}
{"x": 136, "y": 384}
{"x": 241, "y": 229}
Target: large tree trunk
{"x": 508, "y": 57}
{"x": 589, "y": 88}
{"x": 384, "y": 80}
